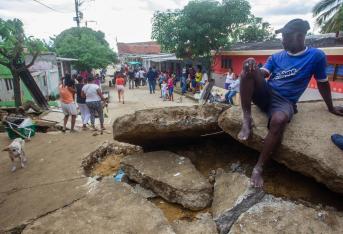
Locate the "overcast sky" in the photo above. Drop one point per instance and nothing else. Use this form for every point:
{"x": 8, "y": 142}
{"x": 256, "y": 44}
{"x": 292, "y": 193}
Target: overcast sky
{"x": 130, "y": 20}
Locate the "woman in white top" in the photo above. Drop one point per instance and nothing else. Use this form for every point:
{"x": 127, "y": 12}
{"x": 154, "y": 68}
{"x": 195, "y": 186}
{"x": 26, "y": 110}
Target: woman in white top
{"x": 230, "y": 76}
{"x": 93, "y": 95}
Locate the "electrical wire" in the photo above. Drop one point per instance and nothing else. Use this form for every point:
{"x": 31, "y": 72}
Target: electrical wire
{"x": 49, "y": 7}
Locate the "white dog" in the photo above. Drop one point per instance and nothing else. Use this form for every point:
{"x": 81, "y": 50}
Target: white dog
{"x": 16, "y": 150}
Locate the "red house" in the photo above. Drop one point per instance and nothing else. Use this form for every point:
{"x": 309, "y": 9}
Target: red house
{"x": 234, "y": 57}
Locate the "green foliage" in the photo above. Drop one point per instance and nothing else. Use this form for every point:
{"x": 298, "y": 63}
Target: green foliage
{"x": 329, "y": 15}
{"x": 255, "y": 30}
{"x": 88, "y": 46}
{"x": 200, "y": 27}
{"x": 14, "y": 44}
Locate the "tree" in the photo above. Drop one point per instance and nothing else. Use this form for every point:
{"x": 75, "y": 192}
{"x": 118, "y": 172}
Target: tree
{"x": 329, "y": 15}
{"x": 88, "y": 46}
{"x": 13, "y": 46}
{"x": 255, "y": 30}
{"x": 200, "y": 27}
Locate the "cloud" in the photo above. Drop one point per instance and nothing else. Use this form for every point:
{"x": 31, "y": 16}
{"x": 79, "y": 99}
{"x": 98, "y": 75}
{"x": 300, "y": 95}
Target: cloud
{"x": 129, "y": 20}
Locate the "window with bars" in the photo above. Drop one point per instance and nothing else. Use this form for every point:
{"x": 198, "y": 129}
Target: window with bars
{"x": 226, "y": 62}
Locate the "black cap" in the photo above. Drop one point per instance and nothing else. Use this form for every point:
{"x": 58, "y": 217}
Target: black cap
{"x": 295, "y": 25}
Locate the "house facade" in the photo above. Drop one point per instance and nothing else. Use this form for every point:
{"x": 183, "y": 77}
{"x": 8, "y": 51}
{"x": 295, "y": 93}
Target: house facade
{"x": 234, "y": 57}
{"x": 47, "y": 71}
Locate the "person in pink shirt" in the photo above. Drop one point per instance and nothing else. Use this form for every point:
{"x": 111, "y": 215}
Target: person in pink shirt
{"x": 170, "y": 88}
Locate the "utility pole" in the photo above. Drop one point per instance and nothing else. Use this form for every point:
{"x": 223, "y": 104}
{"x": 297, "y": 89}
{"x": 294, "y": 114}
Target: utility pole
{"x": 77, "y": 17}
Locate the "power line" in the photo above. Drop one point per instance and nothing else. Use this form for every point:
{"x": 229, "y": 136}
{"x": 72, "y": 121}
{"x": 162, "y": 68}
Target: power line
{"x": 43, "y": 4}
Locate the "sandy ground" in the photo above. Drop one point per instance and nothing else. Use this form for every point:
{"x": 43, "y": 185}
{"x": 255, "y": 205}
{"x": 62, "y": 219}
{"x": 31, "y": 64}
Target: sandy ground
{"x": 53, "y": 177}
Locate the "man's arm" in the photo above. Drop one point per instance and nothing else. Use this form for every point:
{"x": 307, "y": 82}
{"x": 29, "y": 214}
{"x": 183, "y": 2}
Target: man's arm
{"x": 325, "y": 91}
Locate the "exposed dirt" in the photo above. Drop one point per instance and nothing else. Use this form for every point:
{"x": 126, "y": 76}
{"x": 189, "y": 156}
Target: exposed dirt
{"x": 109, "y": 166}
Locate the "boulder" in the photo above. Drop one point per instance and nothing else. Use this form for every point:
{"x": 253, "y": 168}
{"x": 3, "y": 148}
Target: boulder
{"x": 109, "y": 208}
{"x": 154, "y": 125}
{"x": 202, "y": 225}
{"x": 232, "y": 197}
{"x": 306, "y": 146}
{"x": 170, "y": 176}
{"x": 279, "y": 216}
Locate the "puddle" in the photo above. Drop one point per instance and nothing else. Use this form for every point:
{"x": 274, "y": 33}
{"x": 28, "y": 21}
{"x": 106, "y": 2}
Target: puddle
{"x": 176, "y": 212}
{"x": 222, "y": 151}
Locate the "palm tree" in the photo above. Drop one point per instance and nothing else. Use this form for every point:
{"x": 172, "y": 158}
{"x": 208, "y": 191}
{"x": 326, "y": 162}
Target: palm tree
{"x": 329, "y": 15}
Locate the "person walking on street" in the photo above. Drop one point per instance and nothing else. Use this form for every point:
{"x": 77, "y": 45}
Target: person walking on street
{"x": 81, "y": 102}
{"x": 120, "y": 87}
{"x": 141, "y": 73}
{"x": 152, "y": 76}
{"x": 93, "y": 95}
{"x": 131, "y": 78}
{"x": 67, "y": 92}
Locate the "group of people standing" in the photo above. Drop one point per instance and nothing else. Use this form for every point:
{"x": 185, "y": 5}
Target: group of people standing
{"x": 87, "y": 94}
{"x": 193, "y": 79}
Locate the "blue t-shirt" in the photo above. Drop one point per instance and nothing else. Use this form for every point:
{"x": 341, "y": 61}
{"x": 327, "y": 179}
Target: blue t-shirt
{"x": 290, "y": 74}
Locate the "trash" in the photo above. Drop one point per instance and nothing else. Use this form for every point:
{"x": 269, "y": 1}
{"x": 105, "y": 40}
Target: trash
{"x": 337, "y": 139}
{"x": 177, "y": 174}
{"x": 20, "y": 127}
{"x": 119, "y": 176}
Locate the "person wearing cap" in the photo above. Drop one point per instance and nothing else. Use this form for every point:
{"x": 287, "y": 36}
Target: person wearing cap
{"x": 289, "y": 73}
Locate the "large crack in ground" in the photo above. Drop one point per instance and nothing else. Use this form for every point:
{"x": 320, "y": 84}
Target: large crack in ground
{"x": 14, "y": 190}
{"x": 221, "y": 151}
{"x": 20, "y": 228}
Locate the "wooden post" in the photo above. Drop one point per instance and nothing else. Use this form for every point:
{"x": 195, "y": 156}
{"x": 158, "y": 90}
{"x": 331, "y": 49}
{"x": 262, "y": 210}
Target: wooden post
{"x": 16, "y": 90}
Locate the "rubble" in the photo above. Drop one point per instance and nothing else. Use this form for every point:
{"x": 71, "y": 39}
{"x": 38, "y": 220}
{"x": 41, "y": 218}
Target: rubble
{"x": 170, "y": 176}
{"x": 232, "y": 197}
{"x": 109, "y": 208}
{"x": 274, "y": 215}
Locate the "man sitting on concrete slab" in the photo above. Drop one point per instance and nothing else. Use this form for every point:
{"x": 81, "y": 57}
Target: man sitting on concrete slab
{"x": 289, "y": 73}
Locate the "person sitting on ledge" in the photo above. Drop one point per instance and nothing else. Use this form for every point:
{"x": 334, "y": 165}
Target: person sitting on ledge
{"x": 289, "y": 73}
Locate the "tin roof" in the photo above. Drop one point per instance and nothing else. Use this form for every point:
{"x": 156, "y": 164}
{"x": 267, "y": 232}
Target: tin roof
{"x": 149, "y": 47}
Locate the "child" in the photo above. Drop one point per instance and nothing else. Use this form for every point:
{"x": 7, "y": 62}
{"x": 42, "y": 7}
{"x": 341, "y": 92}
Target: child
{"x": 120, "y": 82}
{"x": 171, "y": 88}
{"x": 164, "y": 89}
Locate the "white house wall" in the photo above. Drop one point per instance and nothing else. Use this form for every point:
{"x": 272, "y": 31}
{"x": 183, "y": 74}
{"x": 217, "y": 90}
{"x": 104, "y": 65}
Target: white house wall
{"x": 5, "y": 95}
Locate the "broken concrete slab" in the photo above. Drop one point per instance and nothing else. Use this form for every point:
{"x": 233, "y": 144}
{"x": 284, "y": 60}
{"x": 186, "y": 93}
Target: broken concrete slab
{"x": 306, "y": 145}
{"x": 232, "y": 197}
{"x": 23, "y": 203}
{"x": 155, "y": 125}
{"x": 171, "y": 176}
{"x": 278, "y": 216}
{"x": 202, "y": 225}
{"x": 105, "y": 149}
{"x": 109, "y": 208}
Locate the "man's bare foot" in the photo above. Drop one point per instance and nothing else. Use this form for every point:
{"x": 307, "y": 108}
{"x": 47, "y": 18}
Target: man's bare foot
{"x": 256, "y": 180}
{"x": 245, "y": 131}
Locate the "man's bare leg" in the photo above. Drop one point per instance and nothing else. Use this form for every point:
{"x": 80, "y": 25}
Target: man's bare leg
{"x": 277, "y": 126}
{"x": 251, "y": 78}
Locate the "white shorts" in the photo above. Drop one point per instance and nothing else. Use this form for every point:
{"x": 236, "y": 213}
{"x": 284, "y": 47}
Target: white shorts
{"x": 120, "y": 88}
{"x": 69, "y": 109}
